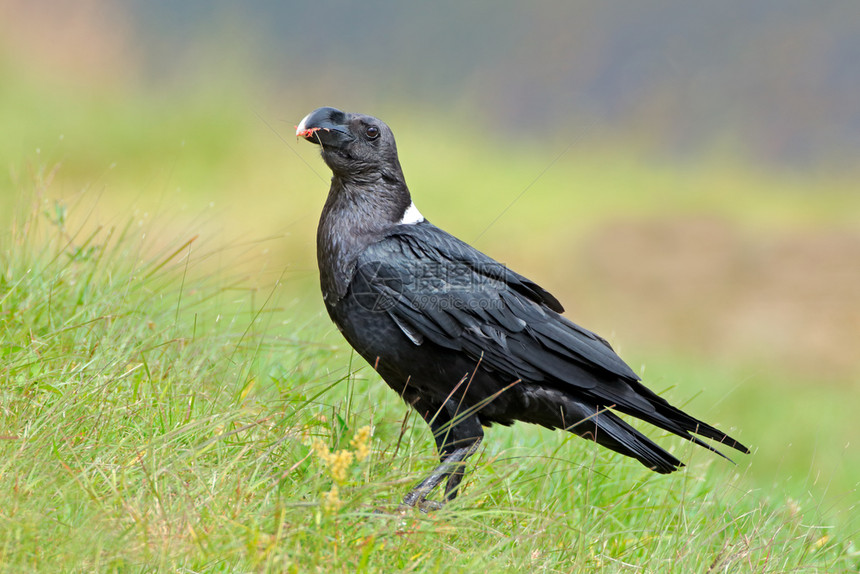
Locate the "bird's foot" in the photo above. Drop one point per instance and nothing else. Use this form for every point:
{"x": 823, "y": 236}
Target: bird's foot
{"x": 427, "y": 506}
{"x": 422, "y": 504}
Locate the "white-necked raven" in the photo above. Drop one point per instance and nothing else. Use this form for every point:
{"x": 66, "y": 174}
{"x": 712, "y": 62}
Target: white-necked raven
{"x": 464, "y": 340}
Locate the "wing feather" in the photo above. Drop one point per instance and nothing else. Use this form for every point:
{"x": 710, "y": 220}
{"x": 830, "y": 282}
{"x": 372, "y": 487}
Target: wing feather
{"x": 447, "y": 292}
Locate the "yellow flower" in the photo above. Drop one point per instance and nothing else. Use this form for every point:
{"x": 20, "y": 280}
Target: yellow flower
{"x": 821, "y": 542}
{"x": 339, "y": 463}
{"x": 332, "y": 500}
{"x": 321, "y": 449}
{"x": 361, "y": 443}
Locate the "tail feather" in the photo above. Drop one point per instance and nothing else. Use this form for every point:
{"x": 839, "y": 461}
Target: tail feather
{"x": 594, "y": 418}
{"x": 687, "y": 424}
{"x": 635, "y": 399}
{"x": 609, "y": 430}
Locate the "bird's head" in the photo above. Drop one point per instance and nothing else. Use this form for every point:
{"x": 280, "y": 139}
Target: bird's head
{"x": 354, "y": 146}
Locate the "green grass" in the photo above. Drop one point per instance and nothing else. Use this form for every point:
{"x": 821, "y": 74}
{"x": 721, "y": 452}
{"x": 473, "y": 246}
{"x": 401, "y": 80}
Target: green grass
{"x": 157, "y": 416}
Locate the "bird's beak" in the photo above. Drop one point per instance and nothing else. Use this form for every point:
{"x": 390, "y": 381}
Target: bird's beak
{"x": 325, "y": 127}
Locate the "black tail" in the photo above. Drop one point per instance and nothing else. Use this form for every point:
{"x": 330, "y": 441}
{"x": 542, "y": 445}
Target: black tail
{"x": 678, "y": 422}
{"x": 607, "y": 429}
{"x": 635, "y": 399}
{"x": 592, "y": 418}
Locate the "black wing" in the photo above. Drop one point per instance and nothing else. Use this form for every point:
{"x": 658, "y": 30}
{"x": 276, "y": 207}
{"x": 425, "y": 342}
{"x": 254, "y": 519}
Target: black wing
{"x": 442, "y": 290}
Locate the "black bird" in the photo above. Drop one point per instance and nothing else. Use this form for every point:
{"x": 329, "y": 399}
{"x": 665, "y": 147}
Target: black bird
{"x": 462, "y": 339}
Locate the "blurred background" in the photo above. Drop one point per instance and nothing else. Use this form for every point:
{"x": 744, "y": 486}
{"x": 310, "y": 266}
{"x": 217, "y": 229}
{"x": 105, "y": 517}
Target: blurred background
{"x": 684, "y": 177}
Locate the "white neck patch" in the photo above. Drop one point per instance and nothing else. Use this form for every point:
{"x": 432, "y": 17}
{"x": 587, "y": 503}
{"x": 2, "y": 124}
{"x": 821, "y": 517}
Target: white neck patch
{"x": 411, "y": 216}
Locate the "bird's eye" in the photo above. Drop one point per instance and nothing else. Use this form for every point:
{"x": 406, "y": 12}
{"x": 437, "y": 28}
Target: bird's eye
{"x": 372, "y": 132}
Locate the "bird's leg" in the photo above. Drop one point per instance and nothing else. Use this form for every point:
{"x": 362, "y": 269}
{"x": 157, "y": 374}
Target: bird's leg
{"x": 459, "y": 471}
{"x": 456, "y": 441}
{"x": 452, "y": 468}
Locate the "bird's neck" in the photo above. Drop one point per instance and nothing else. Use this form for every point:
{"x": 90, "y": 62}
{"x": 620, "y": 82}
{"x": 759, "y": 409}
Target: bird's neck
{"x": 354, "y": 217}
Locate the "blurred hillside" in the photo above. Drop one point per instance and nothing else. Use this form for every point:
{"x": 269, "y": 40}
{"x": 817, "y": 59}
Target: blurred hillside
{"x": 771, "y": 81}
{"x": 775, "y": 80}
